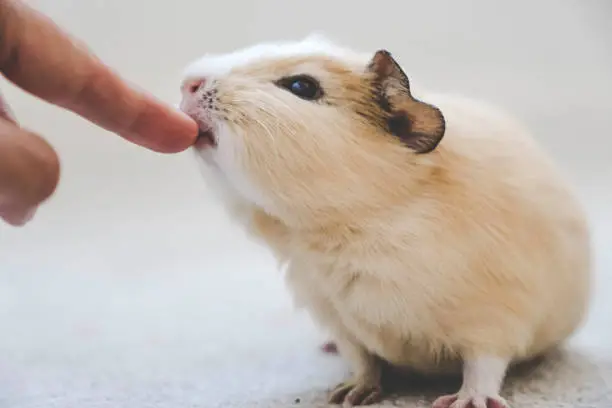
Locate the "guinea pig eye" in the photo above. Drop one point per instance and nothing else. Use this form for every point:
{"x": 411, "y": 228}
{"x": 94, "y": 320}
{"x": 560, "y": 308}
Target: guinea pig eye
{"x": 302, "y": 86}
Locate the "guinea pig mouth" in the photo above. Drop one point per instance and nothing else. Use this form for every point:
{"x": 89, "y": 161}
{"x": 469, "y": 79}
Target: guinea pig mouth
{"x": 206, "y": 138}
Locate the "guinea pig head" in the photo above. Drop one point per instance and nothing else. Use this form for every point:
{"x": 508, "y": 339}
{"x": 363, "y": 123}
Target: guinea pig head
{"x": 309, "y": 131}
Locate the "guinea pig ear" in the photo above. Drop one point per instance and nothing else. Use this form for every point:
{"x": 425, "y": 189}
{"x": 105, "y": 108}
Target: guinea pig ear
{"x": 418, "y": 125}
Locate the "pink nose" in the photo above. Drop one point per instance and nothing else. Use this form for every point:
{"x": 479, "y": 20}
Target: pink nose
{"x": 192, "y": 86}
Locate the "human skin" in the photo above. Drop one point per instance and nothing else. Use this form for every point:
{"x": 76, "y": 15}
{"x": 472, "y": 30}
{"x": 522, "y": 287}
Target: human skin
{"x": 40, "y": 58}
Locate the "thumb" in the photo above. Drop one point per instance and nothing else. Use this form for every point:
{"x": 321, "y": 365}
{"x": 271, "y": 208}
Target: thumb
{"x": 29, "y": 172}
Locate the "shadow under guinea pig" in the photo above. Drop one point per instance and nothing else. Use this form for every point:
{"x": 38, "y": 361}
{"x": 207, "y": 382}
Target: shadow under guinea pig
{"x": 565, "y": 378}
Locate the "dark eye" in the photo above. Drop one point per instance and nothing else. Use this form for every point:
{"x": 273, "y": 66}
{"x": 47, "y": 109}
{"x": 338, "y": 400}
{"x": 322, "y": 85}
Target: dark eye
{"x": 303, "y": 87}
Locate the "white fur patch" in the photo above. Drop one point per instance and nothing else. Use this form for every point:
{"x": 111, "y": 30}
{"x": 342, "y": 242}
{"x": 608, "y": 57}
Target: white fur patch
{"x": 484, "y": 375}
{"x": 217, "y": 65}
{"x": 227, "y": 158}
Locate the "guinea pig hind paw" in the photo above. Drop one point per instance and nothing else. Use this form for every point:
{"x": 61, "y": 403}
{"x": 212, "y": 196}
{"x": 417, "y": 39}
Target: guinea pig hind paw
{"x": 329, "y": 347}
{"x": 470, "y": 400}
{"x": 356, "y": 392}
{"x": 482, "y": 380}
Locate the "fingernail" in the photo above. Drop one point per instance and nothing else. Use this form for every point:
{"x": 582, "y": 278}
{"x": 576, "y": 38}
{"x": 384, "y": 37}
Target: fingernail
{"x": 185, "y": 118}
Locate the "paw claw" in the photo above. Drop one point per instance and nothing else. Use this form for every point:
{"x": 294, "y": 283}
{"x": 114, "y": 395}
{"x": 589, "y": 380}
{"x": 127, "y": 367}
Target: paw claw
{"x": 356, "y": 393}
{"x": 445, "y": 401}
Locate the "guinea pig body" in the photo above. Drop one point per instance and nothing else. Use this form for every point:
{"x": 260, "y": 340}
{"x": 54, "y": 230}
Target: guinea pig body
{"x": 428, "y": 231}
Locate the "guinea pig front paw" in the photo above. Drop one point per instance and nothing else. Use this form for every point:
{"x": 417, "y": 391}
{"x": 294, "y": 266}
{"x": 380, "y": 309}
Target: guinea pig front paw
{"x": 356, "y": 392}
{"x": 470, "y": 400}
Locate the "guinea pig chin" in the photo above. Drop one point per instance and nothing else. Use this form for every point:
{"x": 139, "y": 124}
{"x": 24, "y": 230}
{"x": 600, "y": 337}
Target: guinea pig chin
{"x": 206, "y": 139}
{"x": 206, "y": 135}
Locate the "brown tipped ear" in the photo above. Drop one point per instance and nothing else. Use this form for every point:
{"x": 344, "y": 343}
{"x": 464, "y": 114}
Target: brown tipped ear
{"x": 419, "y": 125}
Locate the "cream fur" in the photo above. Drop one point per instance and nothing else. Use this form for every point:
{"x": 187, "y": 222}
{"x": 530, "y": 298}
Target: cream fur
{"x": 477, "y": 248}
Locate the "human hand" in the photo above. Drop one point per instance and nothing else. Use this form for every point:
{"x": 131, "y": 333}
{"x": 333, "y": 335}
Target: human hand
{"x": 37, "y": 56}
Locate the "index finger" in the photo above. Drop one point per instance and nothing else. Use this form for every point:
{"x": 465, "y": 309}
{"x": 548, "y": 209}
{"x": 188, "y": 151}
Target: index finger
{"x": 40, "y": 58}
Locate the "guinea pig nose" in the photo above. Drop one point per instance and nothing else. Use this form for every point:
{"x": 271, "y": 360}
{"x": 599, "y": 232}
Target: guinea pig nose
{"x": 191, "y": 86}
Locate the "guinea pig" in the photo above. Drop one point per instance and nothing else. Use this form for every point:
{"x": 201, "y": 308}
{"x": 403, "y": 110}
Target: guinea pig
{"x": 425, "y": 231}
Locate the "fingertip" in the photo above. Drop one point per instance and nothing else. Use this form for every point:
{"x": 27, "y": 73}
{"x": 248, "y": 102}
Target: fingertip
{"x": 43, "y": 166}
{"x": 185, "y": 131}
{"x": 52, "y": 169}
{"x": 164, "y": 130}
{"x": 29, "y": 171}
{"x": 17, "y": 217}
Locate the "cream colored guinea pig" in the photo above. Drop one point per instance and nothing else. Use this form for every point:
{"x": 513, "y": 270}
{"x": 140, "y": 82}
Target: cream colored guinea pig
{"x": 423, "y": 230}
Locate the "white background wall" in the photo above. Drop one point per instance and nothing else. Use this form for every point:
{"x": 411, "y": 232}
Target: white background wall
{"x": 131, "y": 272}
